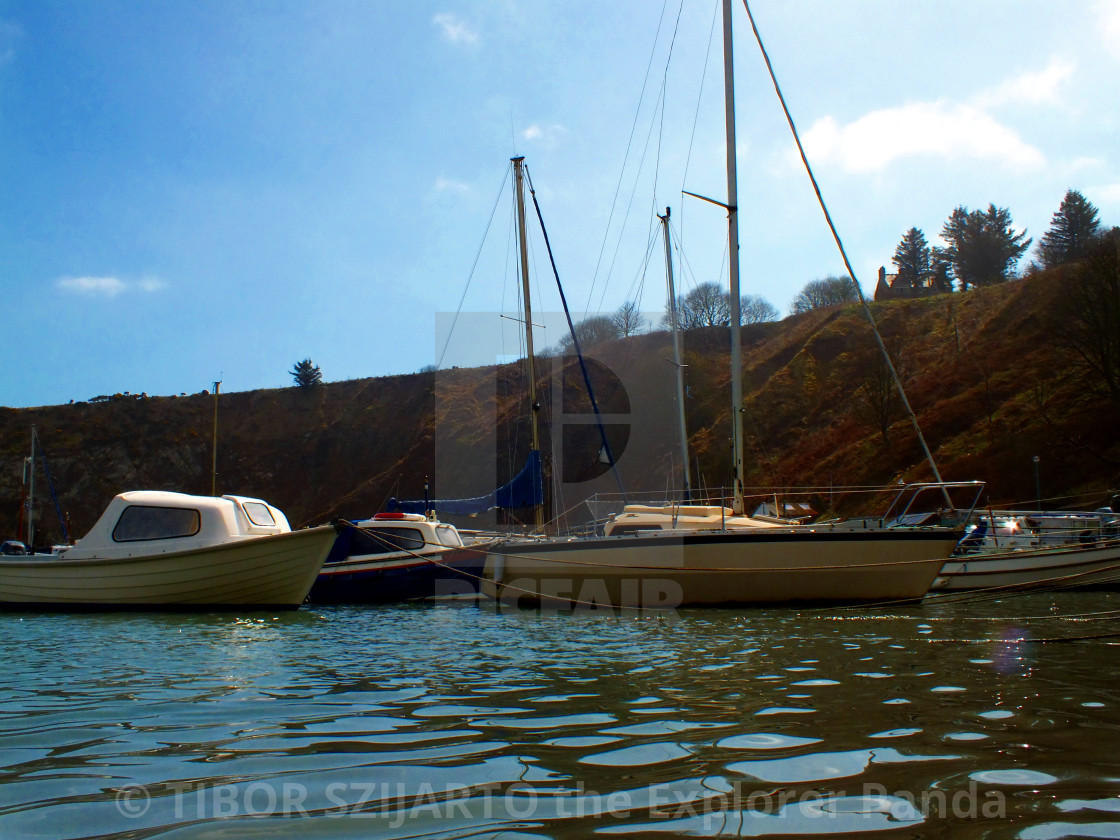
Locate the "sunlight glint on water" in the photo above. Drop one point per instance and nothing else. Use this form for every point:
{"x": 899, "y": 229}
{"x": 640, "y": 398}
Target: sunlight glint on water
{"x": 455, "y": 720}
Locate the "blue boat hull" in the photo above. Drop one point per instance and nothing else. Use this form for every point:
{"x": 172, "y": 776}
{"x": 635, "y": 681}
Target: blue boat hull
{"x": 400, "y": 577}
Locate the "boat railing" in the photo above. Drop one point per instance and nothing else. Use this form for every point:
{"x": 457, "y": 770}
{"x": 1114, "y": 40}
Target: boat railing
{"x": 1003, "y": 529}
{"x": 911, "y": 504}
{"x": 917, "y": 502}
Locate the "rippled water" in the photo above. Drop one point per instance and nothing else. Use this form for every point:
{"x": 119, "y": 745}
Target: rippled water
{"x": 470, "y": 721}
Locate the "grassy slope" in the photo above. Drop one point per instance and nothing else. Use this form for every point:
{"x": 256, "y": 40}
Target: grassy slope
{"x": 990, "y": 388}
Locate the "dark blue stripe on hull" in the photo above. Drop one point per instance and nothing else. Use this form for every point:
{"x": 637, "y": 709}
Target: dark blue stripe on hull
{"x": 408, "y": 583}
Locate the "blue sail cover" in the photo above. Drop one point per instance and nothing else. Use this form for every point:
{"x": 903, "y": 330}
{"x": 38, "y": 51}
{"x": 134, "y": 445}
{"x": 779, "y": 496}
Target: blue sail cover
{"x": 526, "y": 489}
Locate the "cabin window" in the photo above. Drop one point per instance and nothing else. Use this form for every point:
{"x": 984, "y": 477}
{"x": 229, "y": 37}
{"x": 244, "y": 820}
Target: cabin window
{"x": 259, "y": 514}
{"x": 386, "y": 540}
{"x": 156, "y": 523}
{"x": 449, "y": 536}
{"x": 622, "y": 530}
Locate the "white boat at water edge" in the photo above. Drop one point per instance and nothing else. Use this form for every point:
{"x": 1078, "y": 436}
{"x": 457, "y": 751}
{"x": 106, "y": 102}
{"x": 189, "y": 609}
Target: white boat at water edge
{"x": 400, "y": 557}
{"x": 1019, "y": 549}
{"x": 155, "y": 549}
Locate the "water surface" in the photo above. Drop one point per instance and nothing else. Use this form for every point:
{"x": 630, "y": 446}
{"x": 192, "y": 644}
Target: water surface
{"x": 995, "y": 718}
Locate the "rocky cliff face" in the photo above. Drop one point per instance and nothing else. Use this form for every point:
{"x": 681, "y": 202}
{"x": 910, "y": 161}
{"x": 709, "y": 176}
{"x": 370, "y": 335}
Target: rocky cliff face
{"x": 989, "y": 385}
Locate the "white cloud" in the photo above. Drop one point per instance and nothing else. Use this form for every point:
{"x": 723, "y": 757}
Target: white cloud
{"x": 105, "y": 286}
{"x": 454, "y": 29}
{"x": 924, "y": 129}
{"x": 448, "y": 185}
{"x": 547, "y": 135}
{"x": 108, "y": 287}
{"x": 1108, "y": 24}
{"x": 1032, "y": 88}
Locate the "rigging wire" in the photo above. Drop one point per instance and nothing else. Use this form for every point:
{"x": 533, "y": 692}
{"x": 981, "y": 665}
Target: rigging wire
{"x": 575, "y": 342}
{"x": 633, "y": 195}
{"x": 657, "y": 119}
{"x": 699, "y": 99}
{"x": 474, "y": 265}
{"x": 843, "y": 252}
{"x": 626, "y": 157}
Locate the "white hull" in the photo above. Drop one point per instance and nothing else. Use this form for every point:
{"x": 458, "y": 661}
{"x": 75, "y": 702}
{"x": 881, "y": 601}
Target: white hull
{"x": 274, "y": 571}
{"x": 766, "y": 566}
{"x": 1069, "y": 566}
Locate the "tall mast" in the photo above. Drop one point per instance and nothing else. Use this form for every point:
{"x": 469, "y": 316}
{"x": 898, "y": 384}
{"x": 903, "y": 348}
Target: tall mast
{"x": 733, "y": 259}
{"x": 676, "y": 353}
{"x": 534, "y": 433}
{"x": 31, "y": 492}
{"x": 214, "y": 447}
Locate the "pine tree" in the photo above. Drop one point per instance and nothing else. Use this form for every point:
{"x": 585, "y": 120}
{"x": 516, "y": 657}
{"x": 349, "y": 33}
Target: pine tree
{"x": 1074, "y": 228}
{"x": 307, "y": 374}
{"x": 912, "y": 259}
{"x": 941, "y": 270}
{"x": 983, "y": 248}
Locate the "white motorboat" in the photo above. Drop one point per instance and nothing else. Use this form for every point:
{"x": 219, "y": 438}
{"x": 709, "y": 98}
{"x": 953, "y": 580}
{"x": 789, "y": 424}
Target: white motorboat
{"x": 1016, "y": 549}
{"x": 156, "y": 549}
{"x": 398, "y": 556}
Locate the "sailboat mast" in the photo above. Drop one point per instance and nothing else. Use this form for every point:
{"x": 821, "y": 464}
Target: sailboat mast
{"x": 31, "y": 491}
{"x": 534, "y": 432}
{"x": 733, "y": 260}
{"x": 675, "y": 324}
{"x": 214, "y": 447}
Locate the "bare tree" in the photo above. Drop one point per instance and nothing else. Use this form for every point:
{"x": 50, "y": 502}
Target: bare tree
{"x": 827, "y": 292}
{"x": 709, "y": 306}
{"x": 757, "y": 310}
{"x": 1087, "y": 316}
{"x": 705, "y": 306}
{"x": 590, "y": 331}
{"x": 878, "y": 400}
{"x": 628, "y": 319}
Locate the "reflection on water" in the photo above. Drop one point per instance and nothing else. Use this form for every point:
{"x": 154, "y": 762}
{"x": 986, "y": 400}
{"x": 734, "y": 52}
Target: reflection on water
{"x": 991, "y": 719}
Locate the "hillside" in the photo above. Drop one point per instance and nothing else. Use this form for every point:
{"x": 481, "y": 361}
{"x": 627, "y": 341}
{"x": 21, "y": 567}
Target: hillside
{"x": 989, "y": 385}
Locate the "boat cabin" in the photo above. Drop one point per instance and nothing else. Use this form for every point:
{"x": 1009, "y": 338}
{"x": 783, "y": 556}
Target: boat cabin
{"x": 395, "y": 533}
{"x": 146, "y": 522}
{"x": 635, "y": 519}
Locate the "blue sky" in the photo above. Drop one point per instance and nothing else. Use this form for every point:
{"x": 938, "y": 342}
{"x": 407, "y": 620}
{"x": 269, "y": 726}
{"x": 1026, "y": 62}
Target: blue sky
{"x": 200, "y": 190}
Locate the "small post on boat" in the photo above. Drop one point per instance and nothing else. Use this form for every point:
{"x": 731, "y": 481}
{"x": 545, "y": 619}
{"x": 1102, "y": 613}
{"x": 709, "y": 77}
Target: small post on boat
{"x": 534, "y": 433}
{"x": 733, "y": 260}
{"x": 214, "y": 447}
{"x": 1037, "y": 486}
{"x": 675, "y": 325}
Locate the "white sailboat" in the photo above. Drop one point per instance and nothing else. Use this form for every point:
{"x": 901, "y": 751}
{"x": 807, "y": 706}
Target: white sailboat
{"x": 684, "y": 566}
